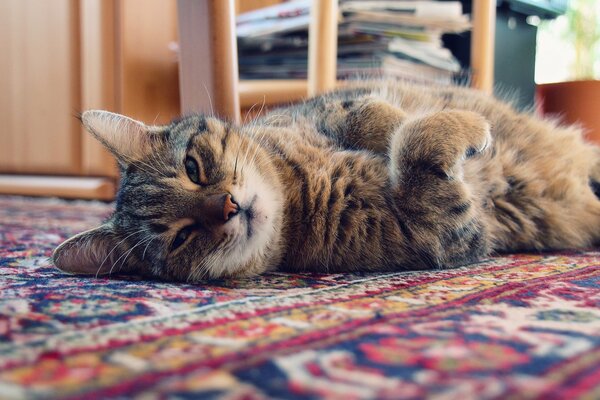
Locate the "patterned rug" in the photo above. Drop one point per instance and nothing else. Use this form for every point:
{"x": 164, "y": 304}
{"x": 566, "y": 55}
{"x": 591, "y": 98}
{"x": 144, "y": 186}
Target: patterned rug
{"x": 522, "y": 326}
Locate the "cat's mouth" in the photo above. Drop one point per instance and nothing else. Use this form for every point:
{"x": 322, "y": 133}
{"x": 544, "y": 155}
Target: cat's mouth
{"x": 250, "y": 222}
{"x": 249, "y": 216}
{"x": 253, "y": 216}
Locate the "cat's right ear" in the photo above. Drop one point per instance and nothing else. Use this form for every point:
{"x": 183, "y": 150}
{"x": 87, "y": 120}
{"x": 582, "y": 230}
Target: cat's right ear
{"x": 125, "y": 137}
{"x": 93, "y": 252}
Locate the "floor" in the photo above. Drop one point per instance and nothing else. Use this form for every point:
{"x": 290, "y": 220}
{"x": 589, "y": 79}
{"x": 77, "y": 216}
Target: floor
{"x": 520, "y": 326}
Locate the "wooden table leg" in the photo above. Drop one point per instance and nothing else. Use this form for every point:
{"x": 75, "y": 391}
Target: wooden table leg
{"x": 322, "y": 47}
{"x": 482, "y": 44}
{"x": 208, "y": 67}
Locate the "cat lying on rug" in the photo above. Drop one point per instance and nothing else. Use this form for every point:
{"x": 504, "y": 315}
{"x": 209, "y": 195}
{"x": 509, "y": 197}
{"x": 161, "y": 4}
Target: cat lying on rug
{"x": 390, "y": 177}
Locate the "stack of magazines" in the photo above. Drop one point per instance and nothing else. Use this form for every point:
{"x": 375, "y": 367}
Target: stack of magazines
{"x": 375, "y": 38}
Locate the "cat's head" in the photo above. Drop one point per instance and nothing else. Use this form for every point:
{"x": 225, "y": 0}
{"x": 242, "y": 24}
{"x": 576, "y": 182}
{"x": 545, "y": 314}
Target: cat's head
{"x": 197, "y": 199}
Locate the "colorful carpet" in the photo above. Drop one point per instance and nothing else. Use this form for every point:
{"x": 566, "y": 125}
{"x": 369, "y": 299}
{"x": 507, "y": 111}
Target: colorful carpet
{"x": 523, "y": 326}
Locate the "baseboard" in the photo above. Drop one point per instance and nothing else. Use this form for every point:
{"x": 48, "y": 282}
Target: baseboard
{"x": 68, "y": 187}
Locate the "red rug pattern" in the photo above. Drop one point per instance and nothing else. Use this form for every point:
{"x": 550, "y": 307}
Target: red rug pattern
{"x": 520, "y": 326}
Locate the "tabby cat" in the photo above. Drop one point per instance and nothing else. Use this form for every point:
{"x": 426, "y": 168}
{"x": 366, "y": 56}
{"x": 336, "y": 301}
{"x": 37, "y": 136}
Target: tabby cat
{"x": 383, "y": 177}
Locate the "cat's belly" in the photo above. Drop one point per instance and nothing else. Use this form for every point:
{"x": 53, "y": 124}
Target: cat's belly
{"x": 341, "y": 217}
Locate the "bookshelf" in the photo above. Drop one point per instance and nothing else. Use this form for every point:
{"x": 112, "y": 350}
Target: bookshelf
{"x": 208, "y": 67}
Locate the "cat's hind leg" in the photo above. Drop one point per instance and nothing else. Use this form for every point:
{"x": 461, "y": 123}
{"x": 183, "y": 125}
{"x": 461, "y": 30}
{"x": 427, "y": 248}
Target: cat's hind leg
{"x": 363, "y": 123}
{"x": 594, "y": 206}
{"x": 594, "y": 180}
{"x": 441, "y": 216}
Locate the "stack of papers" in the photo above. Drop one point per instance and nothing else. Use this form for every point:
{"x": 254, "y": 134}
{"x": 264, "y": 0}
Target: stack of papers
{"x": 375, "y": 38}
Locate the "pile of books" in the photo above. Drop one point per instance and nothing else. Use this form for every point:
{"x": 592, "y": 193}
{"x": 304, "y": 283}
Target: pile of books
{"x": 375, "y": 38}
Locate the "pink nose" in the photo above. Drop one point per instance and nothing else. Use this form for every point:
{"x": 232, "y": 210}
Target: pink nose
{"x": 230, "y": 208}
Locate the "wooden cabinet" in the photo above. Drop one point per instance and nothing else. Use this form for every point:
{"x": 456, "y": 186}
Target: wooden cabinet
{"x": 61, "y": 57}
{"x": 39, "y": 87}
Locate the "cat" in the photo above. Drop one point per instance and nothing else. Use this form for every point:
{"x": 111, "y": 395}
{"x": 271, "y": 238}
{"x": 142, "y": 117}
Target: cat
{"x": 374, "y": 177}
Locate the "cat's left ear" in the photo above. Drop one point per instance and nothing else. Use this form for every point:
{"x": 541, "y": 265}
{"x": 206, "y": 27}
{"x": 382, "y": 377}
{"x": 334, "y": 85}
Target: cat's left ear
{"x": 93, "y": 252}
{"x": 125, "y": 137}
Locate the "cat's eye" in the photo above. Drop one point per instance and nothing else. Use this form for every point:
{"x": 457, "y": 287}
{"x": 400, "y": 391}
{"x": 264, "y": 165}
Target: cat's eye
{"x": 181, "y": 237}
{"x": 192, "y": 170}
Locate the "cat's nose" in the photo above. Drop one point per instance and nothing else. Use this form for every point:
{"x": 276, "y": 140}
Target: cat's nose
{"x": 218, "y": 208}
{"x": 230, "y": 208}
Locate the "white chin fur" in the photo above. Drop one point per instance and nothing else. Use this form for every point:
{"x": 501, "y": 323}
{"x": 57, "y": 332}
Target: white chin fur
{"x": 266, "y": 203}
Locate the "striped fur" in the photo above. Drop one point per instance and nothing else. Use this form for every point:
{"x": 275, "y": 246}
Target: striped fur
{"x": 379, "y": 177}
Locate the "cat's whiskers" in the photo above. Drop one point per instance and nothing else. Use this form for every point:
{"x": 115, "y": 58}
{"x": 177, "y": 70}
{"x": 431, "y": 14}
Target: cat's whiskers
{"x": 131, "y": 161}
{"x": 159, "y": 172}
{"x": 202, "y": 273}
{"x": 257, "y": 144}
{"x": 212, "y": 111}
{"x": 216, "y": 258}
{"x": 250, "y": 110}
{"x": 261, "y": 143}
{"x": 235, "y": 164}
{"x": 158, "y": 157}
{"x": 230, "y": 242}
{"x": 194, "y": 271}
{"x": 266, "y": 123}
{"x": 264, "y": 138}
{"x": 126, "y": 254}
{"x": 114, "y": 247}
{"x": 250, "y": 142}
{"x": 137, "y": 163}
{"x": 245, "y": 124}
{"x": 253, "y": 124}
{"x": 146, "y": 248}
{"x": 204, "y": 265}
{"x": 252, "y": 129}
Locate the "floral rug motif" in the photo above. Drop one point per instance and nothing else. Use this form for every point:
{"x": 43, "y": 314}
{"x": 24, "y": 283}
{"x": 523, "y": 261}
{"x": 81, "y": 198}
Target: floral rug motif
{"x": 518, "y": 326}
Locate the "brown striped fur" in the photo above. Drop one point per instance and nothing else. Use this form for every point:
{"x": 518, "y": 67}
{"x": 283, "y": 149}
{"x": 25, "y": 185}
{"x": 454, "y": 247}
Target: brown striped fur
{"x": 386, "y": 176}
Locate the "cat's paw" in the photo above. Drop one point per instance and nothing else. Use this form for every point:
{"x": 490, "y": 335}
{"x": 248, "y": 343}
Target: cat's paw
{"x": 468, "y": 135}
{"x": 440, "y": 142}
{"x": 369, "y": 123}
{"x": 456, "y": 135}
{"x": 474, "y": 131}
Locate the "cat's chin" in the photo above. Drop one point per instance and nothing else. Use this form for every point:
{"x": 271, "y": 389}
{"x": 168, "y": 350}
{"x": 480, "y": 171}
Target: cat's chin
{"x": 255, "y": 230}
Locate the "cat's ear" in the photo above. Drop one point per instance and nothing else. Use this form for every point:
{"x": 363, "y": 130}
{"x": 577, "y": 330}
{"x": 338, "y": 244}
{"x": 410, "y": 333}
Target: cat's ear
{"x": 126, "y": 138}
{"x": 93, "y": 252}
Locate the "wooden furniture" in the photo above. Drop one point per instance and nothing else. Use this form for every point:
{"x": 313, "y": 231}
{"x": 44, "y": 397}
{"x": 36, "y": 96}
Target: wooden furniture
{"x": 66, "y": 56}
{"x": 482, "y": 44}
{"x": 210, "y": 23}
{"x": 322, "y": 46}
{"x": 210, "y": 65}
{"x": 210, "y": 85}
{"x": 37, "y": 94}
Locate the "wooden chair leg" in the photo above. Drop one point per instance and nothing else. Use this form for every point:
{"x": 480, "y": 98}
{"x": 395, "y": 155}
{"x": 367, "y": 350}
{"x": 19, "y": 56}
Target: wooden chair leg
{"x": 208, "y": 72}
{"x": 482, "y": 44}
{"x": 322, "y": 46}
